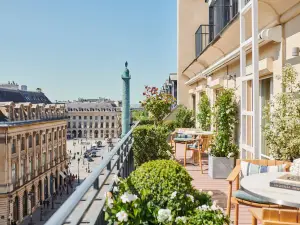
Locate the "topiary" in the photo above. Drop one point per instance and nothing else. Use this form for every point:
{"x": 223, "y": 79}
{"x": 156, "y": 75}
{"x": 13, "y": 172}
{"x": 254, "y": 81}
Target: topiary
{"x": 159, "y": 179}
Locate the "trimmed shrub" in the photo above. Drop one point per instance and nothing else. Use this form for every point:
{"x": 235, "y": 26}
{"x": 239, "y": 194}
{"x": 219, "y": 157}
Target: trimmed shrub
{"x": 158, "y": 192}
{"x": 170, "y": 125}
{"x": 146, "y": 121}
{"x": 150, "y": 143}
{"x": 184, "y": 118}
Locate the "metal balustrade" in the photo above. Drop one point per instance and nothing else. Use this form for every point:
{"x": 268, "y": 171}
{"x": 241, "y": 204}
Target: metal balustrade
{"x": 85, "y": 205}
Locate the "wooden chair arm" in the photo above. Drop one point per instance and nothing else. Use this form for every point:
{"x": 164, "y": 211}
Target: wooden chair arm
{"x": 234, "y": 174}
{"x": 267, "y": 222}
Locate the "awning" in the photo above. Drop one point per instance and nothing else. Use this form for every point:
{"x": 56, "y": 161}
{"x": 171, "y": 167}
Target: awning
{"x": 62, "y": 174}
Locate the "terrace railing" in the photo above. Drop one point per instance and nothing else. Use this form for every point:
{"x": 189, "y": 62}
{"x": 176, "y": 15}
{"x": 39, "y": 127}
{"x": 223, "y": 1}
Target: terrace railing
{"x": 86, "y": 204}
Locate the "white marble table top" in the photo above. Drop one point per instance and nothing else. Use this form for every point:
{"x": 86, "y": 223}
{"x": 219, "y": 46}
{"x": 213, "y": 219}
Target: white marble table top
{"x": 259, "y": 185}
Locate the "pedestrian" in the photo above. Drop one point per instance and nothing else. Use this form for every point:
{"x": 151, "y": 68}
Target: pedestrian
{"x": 48, "y": 204}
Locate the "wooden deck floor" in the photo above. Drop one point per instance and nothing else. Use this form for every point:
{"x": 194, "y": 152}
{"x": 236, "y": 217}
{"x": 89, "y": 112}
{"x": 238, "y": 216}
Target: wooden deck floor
{"x": 218, "y": 186}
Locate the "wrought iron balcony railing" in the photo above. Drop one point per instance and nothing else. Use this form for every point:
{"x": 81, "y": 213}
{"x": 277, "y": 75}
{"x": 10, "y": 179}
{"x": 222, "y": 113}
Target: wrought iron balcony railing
{"x": 203, "y": 36}
{"x": 79, "y": 209}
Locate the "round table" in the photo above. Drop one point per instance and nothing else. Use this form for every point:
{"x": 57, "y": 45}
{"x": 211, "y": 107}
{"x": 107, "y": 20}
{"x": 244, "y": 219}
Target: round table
{"x": 259, "y": 185}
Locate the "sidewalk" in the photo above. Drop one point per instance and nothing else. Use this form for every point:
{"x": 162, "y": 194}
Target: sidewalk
{"x": 48, "y": 212}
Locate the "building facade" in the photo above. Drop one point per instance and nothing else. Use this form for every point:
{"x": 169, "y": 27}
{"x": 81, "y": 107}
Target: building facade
{"x": 97, "y": 119}
{"x": 170, "y": 86}
{"x": 239, "y": 44}
{"x": 33, "y": 156}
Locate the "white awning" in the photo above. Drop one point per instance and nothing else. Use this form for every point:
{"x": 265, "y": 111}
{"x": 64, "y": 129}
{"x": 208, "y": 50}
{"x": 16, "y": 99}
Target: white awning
{"x": 62, "y": 174}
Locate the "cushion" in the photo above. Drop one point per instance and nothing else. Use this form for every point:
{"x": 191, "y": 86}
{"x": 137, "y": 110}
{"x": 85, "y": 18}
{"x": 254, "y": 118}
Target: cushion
{"x": 248, "y": 169}
{"x": 248, "y": 197}
{"x": 181, "y": 139}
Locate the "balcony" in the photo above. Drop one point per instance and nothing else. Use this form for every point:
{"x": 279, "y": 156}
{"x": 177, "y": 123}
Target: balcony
{"x": 221, "y": 13}
{"x": 203, "y": 37}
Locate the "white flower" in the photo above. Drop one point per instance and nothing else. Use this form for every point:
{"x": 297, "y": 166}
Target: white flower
{"x": 210, "y": 193}
{"x": 116, "y": 179}
{"x": 173, "y": 195}
{"x": 214, "y": 208}
{"x": 164, "y": 215}
{"x": 203, "y": 207}
{"x": 230, "y": 155}
{"x": 180, "y": 219}
{"x": 122, "y": 216}
{"x": 115, "y": 189}
{"x": 191, "y": 197}
{"x": 110, "y": 202}
{"x": 126, "y": 197}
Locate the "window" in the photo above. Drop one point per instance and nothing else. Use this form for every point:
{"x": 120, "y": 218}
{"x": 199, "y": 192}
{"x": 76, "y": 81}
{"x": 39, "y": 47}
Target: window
{"x": 107, "y": 131}
{"x": 50, "y": 137}
{"x": 112, "y": 117}
{"x": 96, "y": 117}
{"x": 85, "y": 124}
{"x": 107, "y": 117}
{"x": 44, "y": 138}
{"x": 79, "y": 117}
{"x": 22, "y": 167}
{"x": 69, "y": 124}
{"x": 23, "y": 143}
{"x": 79, "y": 125}
{"x": 30, "y": 141}
{"x": 43, "y": 159}
{"x": 91, "y": 117}
{"x": 107, "y": 125}
{"x": 266, "y": 89}
{"x": 69, "y": 117}
{"x": 85, "y": 117}
{"x": 74, "y": 124}
{"x": 55, "y": 135}
{"x": 91, "y": 124}
{"x": 112, "y": 125}
{"x": 101, "y": 131}
{"x": 96, "y": 125}
{"x": 74, "y": 117}
{"x": 37, "y": 139}
{"x": 101, "y": 117}
{"x": 13, "y": 173}
{"x": 13, "y": 146}
{"x": 101, "y": 125}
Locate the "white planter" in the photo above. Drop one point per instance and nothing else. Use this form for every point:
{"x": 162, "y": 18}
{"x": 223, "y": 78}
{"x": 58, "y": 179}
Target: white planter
{"x": 220, "y": 167}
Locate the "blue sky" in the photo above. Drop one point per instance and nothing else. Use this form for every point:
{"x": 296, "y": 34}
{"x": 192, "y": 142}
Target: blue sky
{"x": 76, "y": 48}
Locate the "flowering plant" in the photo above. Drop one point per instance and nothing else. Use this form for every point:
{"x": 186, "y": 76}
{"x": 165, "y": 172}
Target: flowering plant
{"x": 225, "y": 112}
{"x": 157, "y": 104}
{"x": 282, "y": 116}
{"x": 204, "y": 115}
{"x": 131, "y": 204}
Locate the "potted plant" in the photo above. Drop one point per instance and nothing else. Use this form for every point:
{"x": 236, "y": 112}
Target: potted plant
{"x": 223, "y": 149}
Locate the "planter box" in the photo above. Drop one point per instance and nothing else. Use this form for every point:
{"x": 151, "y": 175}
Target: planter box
{"x": 220, "y": 167}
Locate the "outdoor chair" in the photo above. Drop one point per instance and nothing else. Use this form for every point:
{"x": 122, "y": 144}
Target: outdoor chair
{"x": 240, "y": 197}
{"x": 275, "y": 216}
{"x": 199, "y": 146}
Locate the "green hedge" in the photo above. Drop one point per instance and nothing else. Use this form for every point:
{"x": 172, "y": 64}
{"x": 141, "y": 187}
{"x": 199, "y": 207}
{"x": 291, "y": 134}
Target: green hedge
{"x": 150, "y": 143}
{"x": 146, "y": 122}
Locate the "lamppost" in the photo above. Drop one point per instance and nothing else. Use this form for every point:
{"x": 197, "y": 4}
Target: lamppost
{"x": 78, "y": 169}
{"x": 30, "y": 195}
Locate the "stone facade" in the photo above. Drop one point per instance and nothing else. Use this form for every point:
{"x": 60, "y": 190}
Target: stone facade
{"x": 33, "y": 156}
{"x": 94, "y": 119}
{"x": 209, "y": 61}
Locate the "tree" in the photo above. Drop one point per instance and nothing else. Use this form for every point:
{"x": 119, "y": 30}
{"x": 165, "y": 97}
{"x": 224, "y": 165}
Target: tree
{"x": 184, "y": 118}
{"x": 282, "y": 114}
{"x": 157, "y": 104}
{"x": 204, "y": 115}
